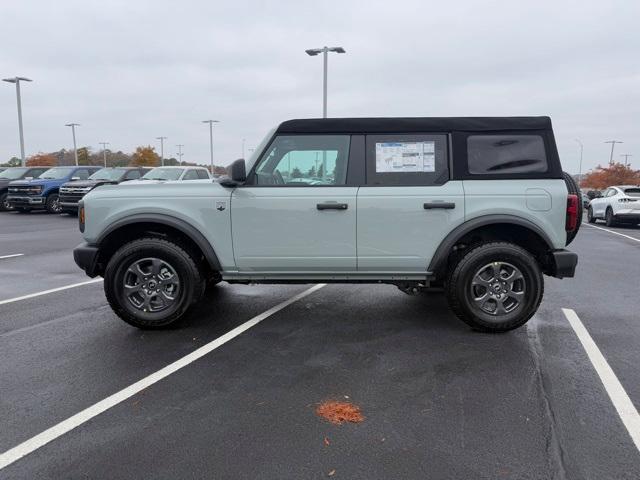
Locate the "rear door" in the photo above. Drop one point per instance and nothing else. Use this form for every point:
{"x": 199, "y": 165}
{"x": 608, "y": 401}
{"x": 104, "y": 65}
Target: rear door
{"x": 408, "y": 204}
{"x": 297, "y": 212}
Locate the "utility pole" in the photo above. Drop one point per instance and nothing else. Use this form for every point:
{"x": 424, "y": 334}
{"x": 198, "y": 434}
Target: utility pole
{"x": 104, "y": 152}
{"x": 211, "y": 122}
{"x": 626, "y": 158}
{"x": 580, "y": 167}
{"x": 180, "y": 152}
{"x": 613, "y": 144}
{"x": 162, "y": 139}
{"x": 73, "y": 132}
{"x": 243, "y": 140}
{"x": 17, "y": 81}
{"x": 325, "y": 62}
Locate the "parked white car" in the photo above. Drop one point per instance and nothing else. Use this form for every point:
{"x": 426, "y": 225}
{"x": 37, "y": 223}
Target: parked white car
{"x": 167, "y": 174}
{"x": 618, "y": 204}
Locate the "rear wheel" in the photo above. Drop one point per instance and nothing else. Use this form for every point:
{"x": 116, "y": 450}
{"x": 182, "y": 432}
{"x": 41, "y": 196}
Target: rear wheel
{"x": 590, "y": 217}
{"x": 151, "y": 283}
{"x": 53, "y": 204}
{"x": 609, "y": 218}
{"x": 495, "y": 287}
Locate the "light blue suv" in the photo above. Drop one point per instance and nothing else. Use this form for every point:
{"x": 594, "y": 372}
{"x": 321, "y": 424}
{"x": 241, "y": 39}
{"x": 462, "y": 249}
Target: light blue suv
{"x": 477, "y": 206}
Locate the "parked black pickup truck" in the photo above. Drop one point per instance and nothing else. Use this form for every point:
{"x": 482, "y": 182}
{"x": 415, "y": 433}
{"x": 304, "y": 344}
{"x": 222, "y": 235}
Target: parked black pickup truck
{"x": 72, "y": 192}
{"x": 16, "y": 173}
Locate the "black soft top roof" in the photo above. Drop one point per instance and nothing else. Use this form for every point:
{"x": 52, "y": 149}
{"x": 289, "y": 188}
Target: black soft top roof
{"x": 413, "y": 124}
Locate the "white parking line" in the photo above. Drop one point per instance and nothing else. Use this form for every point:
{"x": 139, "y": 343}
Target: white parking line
{"x": 615, "y": 233}
{"x": 621, "y": 401}
{"x": 25, "y": 448}
{"x": 53, "y": 290}
{"x": 12, "y": 256}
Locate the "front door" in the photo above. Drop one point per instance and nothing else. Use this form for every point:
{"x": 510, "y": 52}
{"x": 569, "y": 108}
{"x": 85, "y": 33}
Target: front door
{"x": 408, "y": 205}
{"x": 296, "y": 212}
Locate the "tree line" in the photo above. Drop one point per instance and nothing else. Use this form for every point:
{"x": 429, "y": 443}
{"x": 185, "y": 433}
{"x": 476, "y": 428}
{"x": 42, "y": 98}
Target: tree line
{"x": 144, "y": 156}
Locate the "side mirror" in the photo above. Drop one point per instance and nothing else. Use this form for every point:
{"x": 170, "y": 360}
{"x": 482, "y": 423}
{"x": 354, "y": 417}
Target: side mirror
{"x": 238, "y": 171}
{"x": 237, "y": 174}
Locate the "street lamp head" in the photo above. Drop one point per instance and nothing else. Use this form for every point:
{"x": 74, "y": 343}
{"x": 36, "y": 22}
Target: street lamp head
{"x": 313, "y": 51}
{"x": 210, "y": 121}
{"x": 17, "y": 79}
{"x": 71, "y": 124}
{"x": 337, "y": 50}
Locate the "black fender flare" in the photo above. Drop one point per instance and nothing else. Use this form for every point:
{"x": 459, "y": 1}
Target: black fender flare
{"x": 184, "y": 227}
{"x": 441, "y": 254}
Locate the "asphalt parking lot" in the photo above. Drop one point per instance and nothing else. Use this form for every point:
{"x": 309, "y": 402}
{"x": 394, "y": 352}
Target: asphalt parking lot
{"x": 439, "y": 400}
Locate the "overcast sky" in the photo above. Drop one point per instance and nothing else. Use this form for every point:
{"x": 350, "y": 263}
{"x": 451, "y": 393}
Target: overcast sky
{"x": 131, "y": 70}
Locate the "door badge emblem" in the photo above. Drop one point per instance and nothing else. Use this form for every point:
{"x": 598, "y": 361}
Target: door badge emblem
{"x": 220, "y": 206}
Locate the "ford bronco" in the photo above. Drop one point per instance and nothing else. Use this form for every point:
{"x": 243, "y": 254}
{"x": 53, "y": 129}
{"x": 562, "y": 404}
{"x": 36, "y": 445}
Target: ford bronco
{"x": 477, "y": 207}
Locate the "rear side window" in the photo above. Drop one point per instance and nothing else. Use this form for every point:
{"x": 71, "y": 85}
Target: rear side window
{"x": 632, "y": 192}
{"x": 411, "y": 159}
{"x": 506, "y": 154}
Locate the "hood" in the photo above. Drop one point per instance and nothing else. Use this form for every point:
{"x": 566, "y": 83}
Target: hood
{"x": 36, "y": 181}
{"x": 150, "y": 188}
{"x": 89, "y": 183}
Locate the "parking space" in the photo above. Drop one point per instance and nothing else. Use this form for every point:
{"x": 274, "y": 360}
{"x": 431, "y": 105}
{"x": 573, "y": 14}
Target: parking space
{"x": 439, "y": 400}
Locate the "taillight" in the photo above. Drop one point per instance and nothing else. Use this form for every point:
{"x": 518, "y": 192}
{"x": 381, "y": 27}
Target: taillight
{"x": 81, "y": 218}
{"x": 572, "y": 213}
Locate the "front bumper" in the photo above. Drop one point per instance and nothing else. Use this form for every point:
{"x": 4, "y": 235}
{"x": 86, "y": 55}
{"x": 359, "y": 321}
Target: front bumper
{"x": 67, "y": 205}
{"x": 564, "y": 263}
{"x": 86, "y": 257}
{"x": 24, "y": 201}
{"x": 627, "y": 215}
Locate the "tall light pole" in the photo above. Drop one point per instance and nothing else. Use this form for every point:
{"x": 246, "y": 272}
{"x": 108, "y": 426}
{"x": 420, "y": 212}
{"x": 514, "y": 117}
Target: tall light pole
{"x": 104, "y": 152}
{"x": 162, "y": 139}
{"x": 211, "y": 122}
{"x": 180, "y": 152}
{"x": 325, "y": 52}
{"x": 613, "y": 144}
{"x": 580, "y": 167}
{"x": 626, "y": 158}
{"x": 73, "y": 132}
{"x": 243, "y": 140}
{"x": 17, "y": 81}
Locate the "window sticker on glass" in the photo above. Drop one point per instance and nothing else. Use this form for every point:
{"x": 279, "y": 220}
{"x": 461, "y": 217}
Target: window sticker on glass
{"x": 405, "y": 157}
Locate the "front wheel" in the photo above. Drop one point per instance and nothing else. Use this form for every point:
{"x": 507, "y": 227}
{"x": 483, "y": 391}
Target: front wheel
{"x": 53, "y": 203}
{"x": 495, "y": 287}
{"x": 150, "y": 283}
{"x": 590, "y": 217}
{"x": 4, "y": 204}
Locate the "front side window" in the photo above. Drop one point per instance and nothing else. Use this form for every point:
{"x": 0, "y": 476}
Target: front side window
{"x": 203, "y": 175}
{"x": 304, "y": 160}
{"x": 190, "y": 175}
{"x": 506, "y": 154}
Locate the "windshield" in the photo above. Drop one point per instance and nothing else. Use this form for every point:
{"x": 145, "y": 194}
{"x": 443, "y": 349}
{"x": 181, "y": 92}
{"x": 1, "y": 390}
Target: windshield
{"x": 258, "y": 150}
{"x": 163, "y": 174}
{"x": 56, "y": 173}
{"x": 108, "y": 174}
{"x": 13, "y": 173}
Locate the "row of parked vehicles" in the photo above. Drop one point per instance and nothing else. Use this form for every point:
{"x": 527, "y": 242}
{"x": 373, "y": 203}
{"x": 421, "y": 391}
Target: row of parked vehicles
{"x": 59, "y": 189}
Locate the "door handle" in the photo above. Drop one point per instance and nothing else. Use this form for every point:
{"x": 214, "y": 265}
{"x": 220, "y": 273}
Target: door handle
{"x": 332, "y": 206}
{"x": 444, "y": 205}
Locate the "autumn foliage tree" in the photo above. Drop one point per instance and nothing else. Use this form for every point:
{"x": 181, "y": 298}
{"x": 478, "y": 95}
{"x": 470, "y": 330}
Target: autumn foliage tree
{"x": 616, "y": 174}
{"x": 145, "y": 157}
{"x": 42, "y": 160}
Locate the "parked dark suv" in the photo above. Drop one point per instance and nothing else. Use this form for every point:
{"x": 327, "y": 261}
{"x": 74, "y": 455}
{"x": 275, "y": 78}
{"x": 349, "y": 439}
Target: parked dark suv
{"x": 16, "y": 173}
{"x": 72, "y": 192}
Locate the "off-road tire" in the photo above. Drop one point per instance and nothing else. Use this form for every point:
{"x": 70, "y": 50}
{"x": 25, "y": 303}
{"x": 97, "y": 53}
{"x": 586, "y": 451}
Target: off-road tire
{"x": 191, "y": 282}
{"x": 590, "y": 217}
{"x": 3, "y": 199}
{"x": 574, "y": 189}
{"x": 459, "y": 291}
{"x": 609, "y": 219}
{"x": 53, "y": 203}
